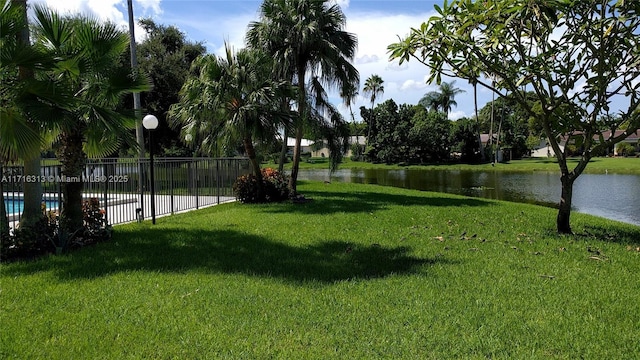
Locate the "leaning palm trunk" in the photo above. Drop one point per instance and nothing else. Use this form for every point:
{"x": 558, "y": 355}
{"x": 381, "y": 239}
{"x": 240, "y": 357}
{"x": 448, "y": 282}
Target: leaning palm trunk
{"x": 296, "y": 161}
{"x": 283, "y": 151}
{"x": 302, "y": 103}
{"x": 72, "y": 157}
{"x": 251, "y": 153}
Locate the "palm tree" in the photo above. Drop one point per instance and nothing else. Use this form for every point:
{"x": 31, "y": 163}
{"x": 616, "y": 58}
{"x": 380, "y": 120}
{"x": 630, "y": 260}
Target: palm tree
{"x": 373, "y": 87}
{"x": 448, "y": 93}
{"x": 233, "y": 97}
{"x": 87, "y": 67}
{"x": 431, "y": 101}
{"x": 306, "y": 36}
{"x": 28, "y": 104}
{"x": 443, "y": 99}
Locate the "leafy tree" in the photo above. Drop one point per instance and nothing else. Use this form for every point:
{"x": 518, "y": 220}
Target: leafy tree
{"x": 232, "y": 97}
{"x": 165, "y": 57}
{"x": 577, "y": 56}
{"x": 513, "y": 123}
{"x": 307, "y": 37}
{"x": 429, "y": 136}
{"x": 464, "y": 139}
{"x": 87, "y": 66}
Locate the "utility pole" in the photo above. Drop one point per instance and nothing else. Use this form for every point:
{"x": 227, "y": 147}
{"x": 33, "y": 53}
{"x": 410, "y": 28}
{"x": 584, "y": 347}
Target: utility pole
{"x": 136, "y": 95}
{"x": 138, "y": 112}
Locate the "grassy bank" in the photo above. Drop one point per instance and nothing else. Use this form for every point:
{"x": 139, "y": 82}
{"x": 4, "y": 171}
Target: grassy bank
{"x": 600, "y": 165}
{"x": 359, "y": 272}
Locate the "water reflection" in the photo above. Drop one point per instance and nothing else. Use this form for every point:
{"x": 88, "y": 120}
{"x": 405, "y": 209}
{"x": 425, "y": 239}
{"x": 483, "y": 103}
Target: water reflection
{"x": 613, "y": 196}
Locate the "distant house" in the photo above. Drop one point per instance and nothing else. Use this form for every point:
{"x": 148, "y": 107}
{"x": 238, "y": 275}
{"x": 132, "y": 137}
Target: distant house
{"x": 633, "y": 139}
{"x": 545, "y": 150}
{"x": 305, "y": 145}
{"x": 504, "y": 154}
{"x": 320, "y": 149}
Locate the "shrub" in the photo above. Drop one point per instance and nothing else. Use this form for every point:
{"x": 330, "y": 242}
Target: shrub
{"x": 625, "y": 149}
{"x": 357, "y": 152}
{"x": 274, "y": 183}
{"x": 46, "y": 236}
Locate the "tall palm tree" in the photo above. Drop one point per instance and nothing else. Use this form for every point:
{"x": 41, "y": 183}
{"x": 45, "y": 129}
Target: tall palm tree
{"x": 373, "y": 86}
{"x": 28, "y": 104}
{"x": 235, "y": 97}
{"x": 87, "y": 67}
{"x": 306, "y": 37}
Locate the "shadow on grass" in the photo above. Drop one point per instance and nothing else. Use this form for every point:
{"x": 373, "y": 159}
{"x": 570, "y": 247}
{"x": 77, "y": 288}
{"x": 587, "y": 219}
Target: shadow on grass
{"x": 230, "y": 252}
{"x": 619, "y": 235}
{"x": 327, "y": 202}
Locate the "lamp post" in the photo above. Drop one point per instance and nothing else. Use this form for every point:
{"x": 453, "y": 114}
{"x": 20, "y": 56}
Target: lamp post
{"x": 150, "y": 122}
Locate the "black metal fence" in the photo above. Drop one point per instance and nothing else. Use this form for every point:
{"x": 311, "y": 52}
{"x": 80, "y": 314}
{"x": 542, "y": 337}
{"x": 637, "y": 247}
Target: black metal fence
{"x": 122, "y": 185}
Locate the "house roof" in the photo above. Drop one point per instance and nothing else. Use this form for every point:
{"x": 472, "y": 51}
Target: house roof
{"x": 632, "y": 137}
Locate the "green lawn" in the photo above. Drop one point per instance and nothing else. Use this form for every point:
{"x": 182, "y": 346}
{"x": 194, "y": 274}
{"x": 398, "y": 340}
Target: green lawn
{"x": 359, "y": 272}
{"x": 598, "y": 165}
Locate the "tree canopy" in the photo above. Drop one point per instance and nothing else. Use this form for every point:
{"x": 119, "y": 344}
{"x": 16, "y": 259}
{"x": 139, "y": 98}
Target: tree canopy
{"x": 580, "y": 58}
{"x": 307, "y": 37}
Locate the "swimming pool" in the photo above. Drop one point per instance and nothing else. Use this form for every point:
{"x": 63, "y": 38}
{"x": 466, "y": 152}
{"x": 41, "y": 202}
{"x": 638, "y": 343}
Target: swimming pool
{"x": 15, "y": 206}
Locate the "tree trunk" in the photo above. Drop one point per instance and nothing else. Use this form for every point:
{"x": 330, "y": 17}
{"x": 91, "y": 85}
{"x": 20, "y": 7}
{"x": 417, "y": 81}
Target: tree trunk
{"x": 283, "y": 151}
{"x": 4, "y": 221}
{"x": 33, "y": 189}
{"x": 72, "y": 157}
{"x": 251, "y": 153}
{"x": 564, "y": 210}
{"x": 302, "y": 107}
{"x": 32, "y": 211}
{"x": 296, "y": 161}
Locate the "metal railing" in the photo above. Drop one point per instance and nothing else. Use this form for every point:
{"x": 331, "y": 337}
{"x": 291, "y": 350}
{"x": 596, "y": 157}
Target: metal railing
{"x": 122, "y": 185}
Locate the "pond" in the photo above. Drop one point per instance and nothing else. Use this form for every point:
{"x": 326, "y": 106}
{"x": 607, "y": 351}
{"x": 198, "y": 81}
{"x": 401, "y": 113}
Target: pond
{"x": 613, "y": 196}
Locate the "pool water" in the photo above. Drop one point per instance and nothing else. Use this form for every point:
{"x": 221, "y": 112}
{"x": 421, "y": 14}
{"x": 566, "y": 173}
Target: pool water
{"x": 16, "y": 206}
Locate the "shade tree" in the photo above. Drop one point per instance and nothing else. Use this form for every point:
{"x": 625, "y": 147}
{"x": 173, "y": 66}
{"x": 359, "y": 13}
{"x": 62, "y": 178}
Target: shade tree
{"x": 578, "y": 57}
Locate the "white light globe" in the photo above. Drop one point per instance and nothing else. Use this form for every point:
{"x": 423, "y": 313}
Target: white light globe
{"x": 150, "y": 122}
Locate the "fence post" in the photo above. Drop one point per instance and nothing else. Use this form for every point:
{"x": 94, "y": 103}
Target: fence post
{"x": 171, "y": 165}
{"x": 196, "y": 182}
{"x": 105, "y": 171}
{"x": 218, "y": 181}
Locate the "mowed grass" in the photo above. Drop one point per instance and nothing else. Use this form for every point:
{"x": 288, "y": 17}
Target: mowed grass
{"x": 598, "y": 165}
{"x": 359, "y": 272}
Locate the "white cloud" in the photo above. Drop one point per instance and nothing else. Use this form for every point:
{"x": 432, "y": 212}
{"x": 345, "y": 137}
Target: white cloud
{"x": 366, "y": 59}
{"x": 455, "y": 115}
{"x": 115, "y": 11}
{"x": 151, "y": 6}
{"x": 413, "y": 85}
{"x": 344, "y": 4}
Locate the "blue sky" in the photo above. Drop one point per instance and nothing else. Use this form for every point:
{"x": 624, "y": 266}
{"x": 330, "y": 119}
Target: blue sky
{"x": 377, "y": 23}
